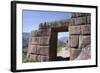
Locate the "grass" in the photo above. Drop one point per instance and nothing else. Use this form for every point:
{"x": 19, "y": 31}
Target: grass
{"x": 59, "y": 49}
{"x": 26, "y": 59}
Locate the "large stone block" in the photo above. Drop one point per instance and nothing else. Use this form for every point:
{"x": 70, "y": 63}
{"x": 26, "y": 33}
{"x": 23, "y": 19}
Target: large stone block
{"x": 85, "y": 53}
{"x": 86, "y": 29}
{"x": 44, "y": 40}
{"x": 89, "y": 19}
{"x": 74, "y": 41}
{"x": 74, "y": 29}
{"x": 44, "y": 50}
{"x": 80, "y": 20}
{"x": 35, "y": 40}
{"x": 44, "y": 58}
{"x": 74, "y": 53}
{"x": 84, "y": 41}
{"x": 32, "y": 49}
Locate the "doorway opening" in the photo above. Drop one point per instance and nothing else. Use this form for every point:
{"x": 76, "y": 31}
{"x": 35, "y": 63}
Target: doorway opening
{"x": 55, "y": 48}
{"x": 63, "y": 52}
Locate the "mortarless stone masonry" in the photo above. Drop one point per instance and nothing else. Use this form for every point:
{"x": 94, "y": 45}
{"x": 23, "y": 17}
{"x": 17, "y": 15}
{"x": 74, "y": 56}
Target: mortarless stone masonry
{"x": 42, "y": 42}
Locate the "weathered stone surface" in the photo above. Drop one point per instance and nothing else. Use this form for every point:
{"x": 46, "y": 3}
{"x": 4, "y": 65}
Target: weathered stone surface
{"x": 35, "y": 40}
{"x": 85, "y": 53}
{"x": 86, "y": 29}
{"x": 84, "y": 41}
{"x": 32, "y": 49}
{"x": 80, "y": 20}
{"x": 74, "y": 29}
{"x": 88, "y": 19}
{"x": 38, "y": 58}
{"x": 38, "y": 50}
{"x": 74, "y": 41}
{"x": 44, "y": 58}
{"x": 44, "y": 40}
{"x": 44, "y": 50}
{"x": 74, "y": 53}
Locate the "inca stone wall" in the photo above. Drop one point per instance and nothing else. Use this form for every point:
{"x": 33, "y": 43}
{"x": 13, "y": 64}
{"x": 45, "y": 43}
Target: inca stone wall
{"x": 80, "y": 31}
{"x": 43, "y": 42}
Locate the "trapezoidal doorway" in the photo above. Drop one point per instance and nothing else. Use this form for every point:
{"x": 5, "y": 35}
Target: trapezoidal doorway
{"x": 59, "y": 49}
{"x": 63, "y": 52}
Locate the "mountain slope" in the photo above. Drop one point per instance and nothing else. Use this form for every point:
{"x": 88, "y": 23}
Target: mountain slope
{"x": 60, "y": 43}
{"x": 25, "y": 40}
{"x": 63, "y": 39}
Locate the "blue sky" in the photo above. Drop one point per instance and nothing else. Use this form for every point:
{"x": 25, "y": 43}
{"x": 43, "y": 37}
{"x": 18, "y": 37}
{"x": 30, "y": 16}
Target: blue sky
{"x": 32, "y": 18}
{"x": 63, "y": 34}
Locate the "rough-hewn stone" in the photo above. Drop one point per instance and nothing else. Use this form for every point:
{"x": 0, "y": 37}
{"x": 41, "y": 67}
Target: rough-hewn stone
{"x": 44, "y": 50}
{"x": 74, "y": 53}
{"x": 32, "y": 49}
{"x": 84, "y": 41}
{"x": 74, "y": 41}
{"x": 38, "y": 50}
{"x": 74, "y": 29}
{"x": 80, "y": 20}
{"x": 88, "y": 19}
{"x": 85, "y": 53}
{"x": 35, "y": 40}
{"x": 86, "y": 29}
{"x": 44, "y": 40}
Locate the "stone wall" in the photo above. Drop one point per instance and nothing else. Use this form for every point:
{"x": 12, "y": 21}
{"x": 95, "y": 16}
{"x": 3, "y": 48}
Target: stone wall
{"x": 43, "y": 42}
{"x": 80, "y": 31}
{"x": 38, "y": 48}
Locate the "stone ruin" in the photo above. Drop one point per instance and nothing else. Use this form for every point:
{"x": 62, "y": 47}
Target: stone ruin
{"x": 43, "y": 42}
